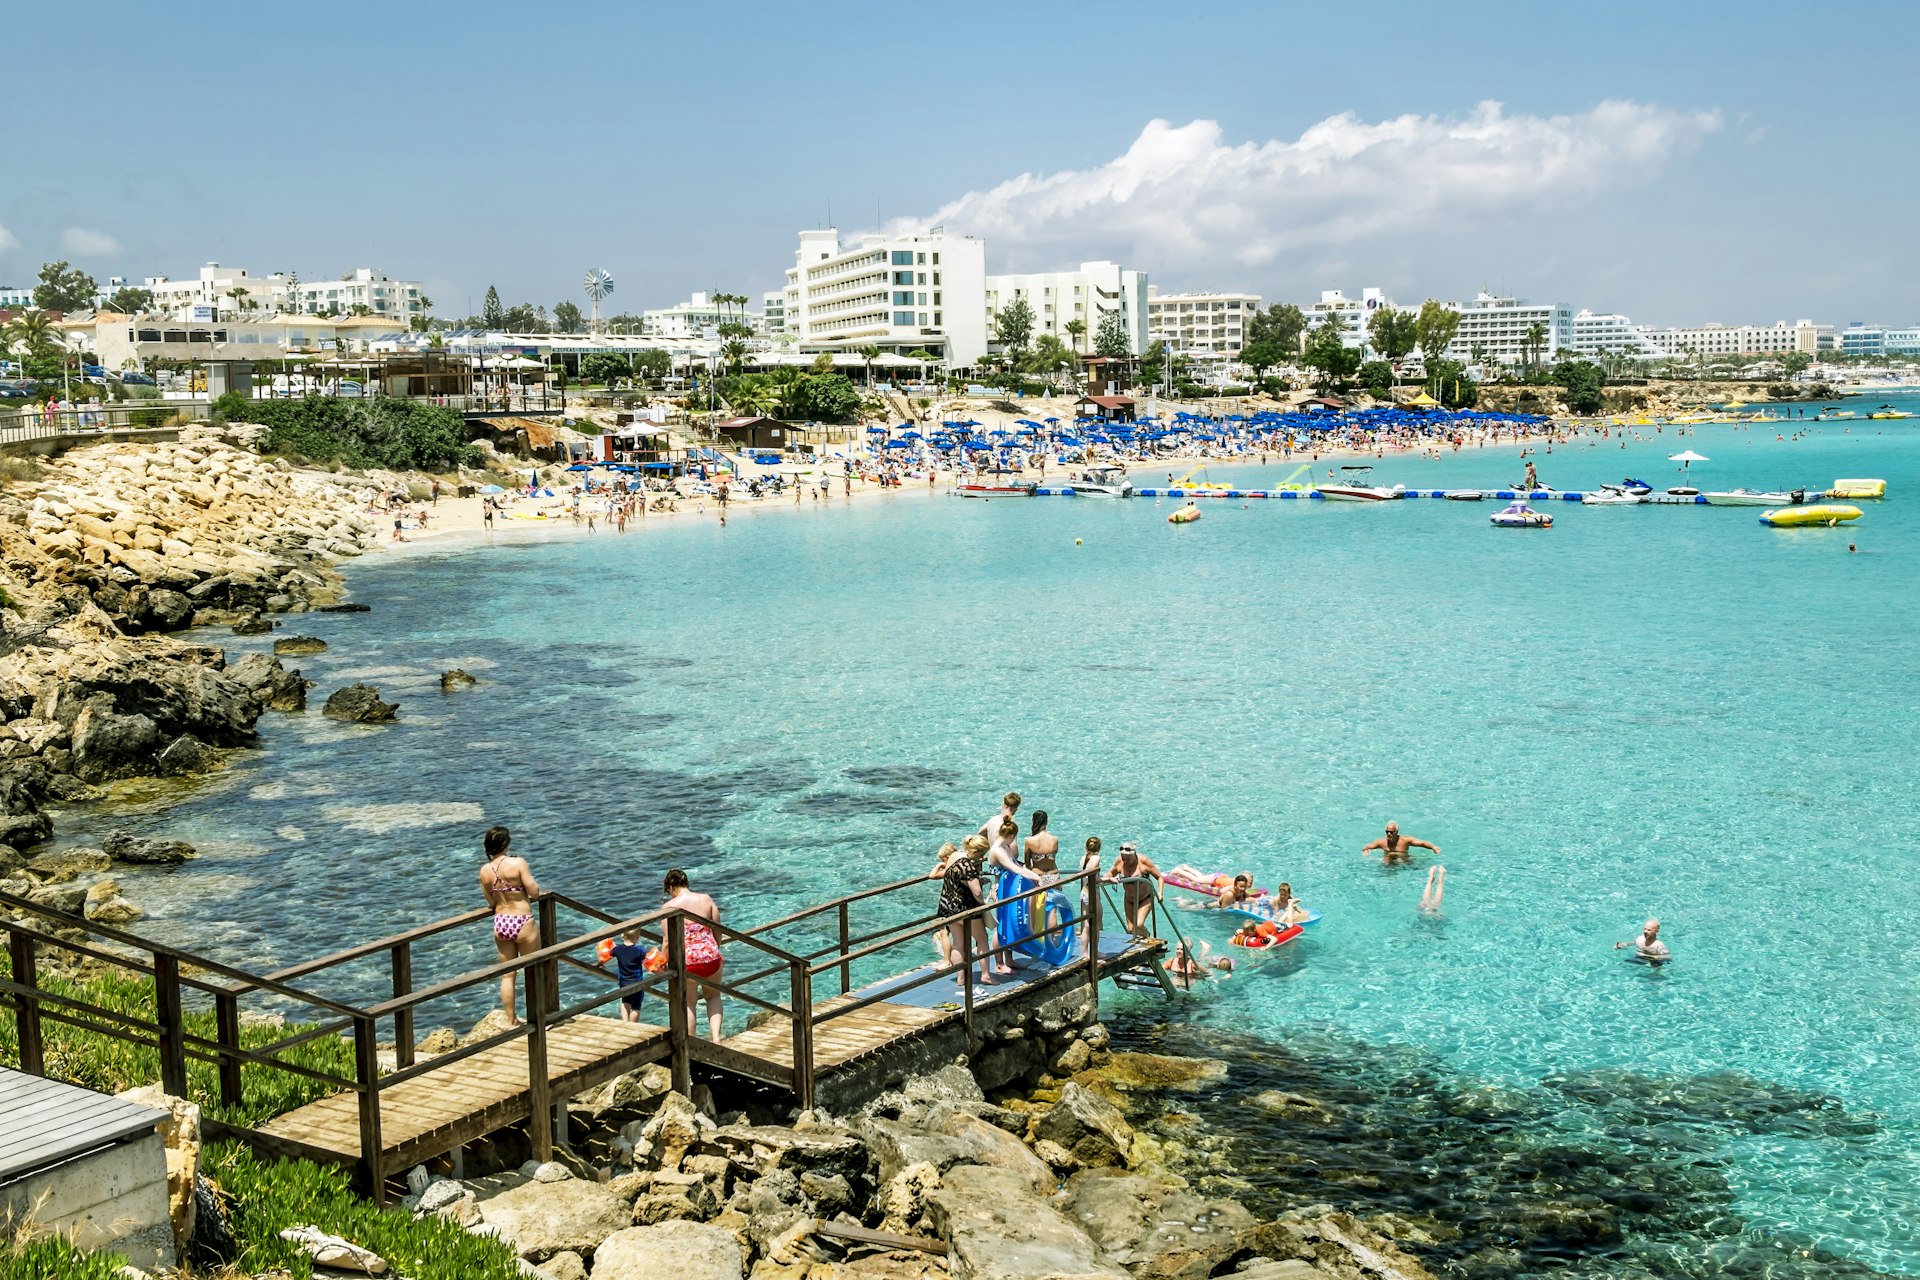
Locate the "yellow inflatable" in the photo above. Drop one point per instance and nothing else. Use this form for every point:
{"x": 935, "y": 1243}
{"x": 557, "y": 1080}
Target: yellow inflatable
{"x": 1825, "y": 513}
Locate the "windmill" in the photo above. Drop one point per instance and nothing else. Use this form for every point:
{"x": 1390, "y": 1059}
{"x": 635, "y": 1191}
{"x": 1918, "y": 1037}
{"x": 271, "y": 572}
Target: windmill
{"x": 598, "y": 284}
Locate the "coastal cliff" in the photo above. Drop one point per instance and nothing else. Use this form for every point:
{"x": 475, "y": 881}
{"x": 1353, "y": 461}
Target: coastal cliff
{"x": 105, "y": 552}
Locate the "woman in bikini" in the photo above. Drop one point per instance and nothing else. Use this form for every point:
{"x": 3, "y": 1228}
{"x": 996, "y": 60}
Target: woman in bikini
{"x": 510, "y": 890}
{"x": 702, "y": 950}
{"x": 960, "y": 893}
{"x": 1011, "y": 923}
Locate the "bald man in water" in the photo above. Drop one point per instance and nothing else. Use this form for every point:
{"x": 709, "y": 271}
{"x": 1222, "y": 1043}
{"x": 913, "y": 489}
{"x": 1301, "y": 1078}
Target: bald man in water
{"x": 1395, "y": 848}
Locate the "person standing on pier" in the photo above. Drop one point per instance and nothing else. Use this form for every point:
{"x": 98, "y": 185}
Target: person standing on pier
{"x": 1133, "y": 871}
{"x": 510, "y": 889}
{"x": 702, "y": 950}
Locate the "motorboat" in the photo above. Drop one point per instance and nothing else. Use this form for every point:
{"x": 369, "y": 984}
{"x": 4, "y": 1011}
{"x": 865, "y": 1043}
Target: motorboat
{"x": 1832, "y": 415}
{"x": 1820, "y": 515}
{"x": 1888, "y": 411}
{"x": 1020, "y": 489}
{"x": 1466, "y": 495}
{"x": 1854, "y": 490}
{"x": 1185, "y": 515}
{"x": 1519, "y": 515}
{"x": 1360, "y": 492}
{"x": 1101, "y": 482}
{"x": 1755, "y": 498}
{"x": 1609, "y": 496}
{"x": 1639, "y": 488}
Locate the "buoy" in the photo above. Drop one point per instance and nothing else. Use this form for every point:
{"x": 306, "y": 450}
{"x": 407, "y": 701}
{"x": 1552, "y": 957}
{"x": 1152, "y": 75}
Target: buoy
{"x": 1076, "y": 542}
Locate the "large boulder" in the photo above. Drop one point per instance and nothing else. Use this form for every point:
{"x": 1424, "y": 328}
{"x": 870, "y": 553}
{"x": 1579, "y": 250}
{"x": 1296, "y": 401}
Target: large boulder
{"x": 1087, "y": 1127}
{"x": 1335, "y": 1244}
{"x": 166, "y": 611}
{"x": 1000, "y": 1230}
{"x": 185, "y": 754}
{"x": 296, "y": 646}
{"x": 359, "y": 703}
{"x": 277, "y": 687}
{"x": 108, "y": 745}
{"x": 953, "y": 1138}
{"x": 1152, "y": 1226}
{"x": 670, "y": 1251}
{"x": 124, "y": 846}
{"x": 541, "y": 1219}
{"x": 675, "y": 1128}
{"x": 826, "y": 1154}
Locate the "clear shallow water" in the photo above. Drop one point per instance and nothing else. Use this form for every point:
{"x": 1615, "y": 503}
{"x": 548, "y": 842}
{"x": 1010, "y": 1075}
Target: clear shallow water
{"x": 1670, "y": 711}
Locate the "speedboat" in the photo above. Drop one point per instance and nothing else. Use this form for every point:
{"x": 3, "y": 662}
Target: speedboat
{"x": 1755, "y": 498}
{"x": 1021, "y": 489}
{"x": 1519, "y": 515}
{"x": 1888, "y": 411}
{"x": 1101, "y": 482}
{"x": 1609, "y": 496}
{"x": 1832, "y": 415}
{"x": 1825, "y": 514}
{"x": 1344, "y": 492}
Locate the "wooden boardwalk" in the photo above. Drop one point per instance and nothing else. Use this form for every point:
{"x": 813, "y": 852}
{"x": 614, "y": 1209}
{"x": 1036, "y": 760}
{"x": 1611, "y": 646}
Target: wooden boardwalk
{"x": 387, "y": 1116}
{"x": 434, "y": 1113}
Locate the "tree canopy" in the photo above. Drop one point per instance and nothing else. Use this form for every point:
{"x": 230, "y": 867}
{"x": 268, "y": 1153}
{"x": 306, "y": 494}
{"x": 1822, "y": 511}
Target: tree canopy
{"x": 1111, "y": 339}
{"x": 566, "y": 317}
{"x": 129, "y": 301}
{"x": 378, "y": 432}
{"x": 492, "y": 315}
{"x": 1393, "y": 333}
{"x": 1434, "y": 328}
{"x": 64, "y": 288}
{"x": 1328, "y": 352}
{"x": 1585, "y": 381}
{"x": 1013, "y": 327}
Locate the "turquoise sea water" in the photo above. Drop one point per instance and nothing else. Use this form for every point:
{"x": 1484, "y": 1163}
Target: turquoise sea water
{"x": 1670, "y": 711}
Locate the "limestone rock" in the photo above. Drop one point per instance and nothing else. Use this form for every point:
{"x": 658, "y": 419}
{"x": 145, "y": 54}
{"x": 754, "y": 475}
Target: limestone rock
{"x": 541, "y": 1219}
{"x": 1089, "y": 1128}
{"x": 1153, "y": 1227}
{"x": 958, "y": 1139}
{"x": 124, "y": 846}
{"x": 675, "y": 1250}
{"x": 184, "y": 755}
{"x": 273, "y": 684}
{"x": 674, "y": 1128}
{"x": 439, "y": 1040}
{"x": 565, "y": 1265}
{"x": 68, "y": 899}
{"x": 180, "y": 1134}
{"x": 252, "y": 624}
{"x": 1336, "y": 1244}
{"x": 1000, "y": 1231}
{"x": 493, "y": 1024}
{"x": 359, "y": 703}
{"x": 1072, "y": 1060}
{"x": 633, "y": 1089}
{"x": 456, "y": 679}
{"x": 112, "y": 911}
{"x": 106, "y": 745}
{"x": 297, "y": 646}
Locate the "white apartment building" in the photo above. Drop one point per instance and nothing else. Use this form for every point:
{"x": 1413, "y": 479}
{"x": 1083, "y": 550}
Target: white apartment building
{"x": 698, "y": 317}
{"x": 1498, "y": 327}
{"x": 898, "y": 293}
{"x": 222, "y": 292}
{"x": 1355, "y": 312}
{"x": 773, "y": 312}
{"x": 120, "y": 342}
{"x": 13, "y": 297}
{"x": 1089, "y": 295}
{"x": 1599, "y": 335}
{"x": 1197, "y": 323}
{"x": 1750, "y": 339}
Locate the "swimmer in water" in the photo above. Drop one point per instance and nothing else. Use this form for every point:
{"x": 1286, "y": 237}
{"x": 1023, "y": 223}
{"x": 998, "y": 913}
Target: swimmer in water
{"x": 1436, "y": 888}
{"x": 1238, "y": 894}
{"x": 1647, "y": 946}
{"x": 1395, "y": 848}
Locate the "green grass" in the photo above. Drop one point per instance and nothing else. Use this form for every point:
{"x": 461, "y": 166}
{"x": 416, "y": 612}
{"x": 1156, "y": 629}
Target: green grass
{"x": 102, "y": 1062}
{"x": 268, "y": 1196}
{"x": 52, "y": 1258}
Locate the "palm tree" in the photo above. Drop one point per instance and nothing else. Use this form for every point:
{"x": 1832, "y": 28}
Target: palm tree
{"x": 1076, "y": 329}
{"x": 1536, "y": 342}
{"x": 869, "y": 355}
{"x": 31, "y": 333}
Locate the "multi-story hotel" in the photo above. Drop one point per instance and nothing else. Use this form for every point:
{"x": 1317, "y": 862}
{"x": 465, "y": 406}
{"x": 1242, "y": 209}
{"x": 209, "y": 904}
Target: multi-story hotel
{"x": 1195, "y": 323}
{"x": 1089, "y": 295}
{"x": 1750, "y": 339}
{"x": 898, "y": 293}
{"x": 221, "y": 292}
{"x": 1354, "y": 312}
{"x": 1497, "y": 329}
{"x": 1602, "y": 335}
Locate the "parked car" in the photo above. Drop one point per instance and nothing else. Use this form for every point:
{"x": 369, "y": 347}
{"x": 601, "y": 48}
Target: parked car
{"x": 9, "y": 392}
{"x": 136, "y": 379}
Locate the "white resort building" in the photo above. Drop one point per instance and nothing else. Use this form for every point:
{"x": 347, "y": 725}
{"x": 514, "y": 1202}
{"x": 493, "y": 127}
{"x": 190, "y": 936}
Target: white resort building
{"x": 1355, "y": 312}
{"x": 1199, "y": 323}
{"x": 898, "y": 293}
{"x": 698, "y": 317}
{"x": 1089, "y": 295}
{"x": 219, "y": 293}
{"x": 1750, "y": 339}
{"x": 1601, "y": 335}
{"x": 1498, "y": 328}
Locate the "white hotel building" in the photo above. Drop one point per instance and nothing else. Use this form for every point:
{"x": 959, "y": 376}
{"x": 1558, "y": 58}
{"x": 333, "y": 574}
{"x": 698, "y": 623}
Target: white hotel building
{"x": 1200, "y": 323}
{"x": 1600, "y": 335}
{"x": 1499, "y": 327}
{"x": 1751, "y": 339}
{"x": 222, "y": 292}
{"x": 1354, "y": 312}
{"x": 900, "y": 293}
{"x": 1089, "y": 295}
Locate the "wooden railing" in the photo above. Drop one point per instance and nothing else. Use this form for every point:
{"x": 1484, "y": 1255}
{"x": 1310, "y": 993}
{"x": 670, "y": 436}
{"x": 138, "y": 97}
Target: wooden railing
{"x": 779, "y": 981}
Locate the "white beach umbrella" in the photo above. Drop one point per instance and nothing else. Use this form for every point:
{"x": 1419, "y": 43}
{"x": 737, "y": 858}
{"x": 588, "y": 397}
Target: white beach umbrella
{"x": 1687, "y": 458}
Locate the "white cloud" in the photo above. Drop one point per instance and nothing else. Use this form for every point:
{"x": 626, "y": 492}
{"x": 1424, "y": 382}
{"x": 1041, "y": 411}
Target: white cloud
{"x": 8, "y": 241}
{"x": 92, "y": 244}
{"x": 1181, "y": 197}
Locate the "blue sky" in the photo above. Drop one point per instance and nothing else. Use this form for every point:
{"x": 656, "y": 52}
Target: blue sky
{"x": 1760, "y": 172}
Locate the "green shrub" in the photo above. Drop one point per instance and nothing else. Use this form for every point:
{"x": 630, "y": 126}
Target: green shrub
{"x": 268, "y": 1196}
{"x": 379, "y": 432}
{"x": 53, "y": 1258}
{"x": 229, "y": 407}
{"x": 108, "y": 1064}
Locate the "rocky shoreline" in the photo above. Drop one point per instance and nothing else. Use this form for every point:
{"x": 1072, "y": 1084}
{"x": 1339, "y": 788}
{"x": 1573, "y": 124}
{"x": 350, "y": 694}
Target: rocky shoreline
{"x": 103, "y": 555}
